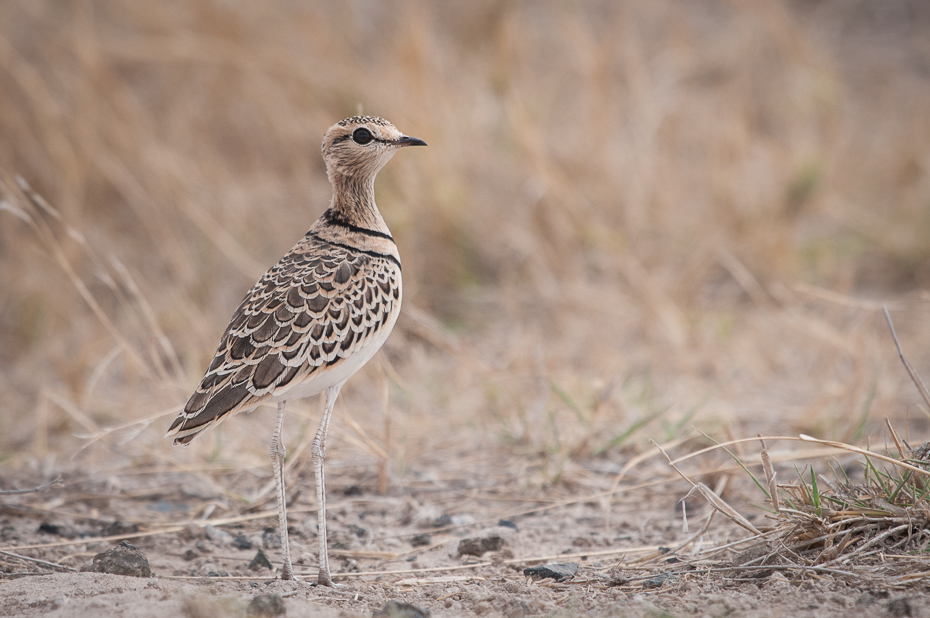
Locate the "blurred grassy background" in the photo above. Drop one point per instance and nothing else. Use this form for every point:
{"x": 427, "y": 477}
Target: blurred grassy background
{"x": 632, "y": 218}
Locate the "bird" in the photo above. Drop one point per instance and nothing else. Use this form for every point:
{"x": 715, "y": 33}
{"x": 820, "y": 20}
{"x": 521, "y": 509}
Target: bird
{"x": 316, "y": 317}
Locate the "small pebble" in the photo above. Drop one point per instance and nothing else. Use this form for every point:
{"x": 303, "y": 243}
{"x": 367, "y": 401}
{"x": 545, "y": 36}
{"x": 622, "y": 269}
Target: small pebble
{"x": 66, "y": 532}
{"x": 480, "y": 545}
{"x": 266, "y": 606}
{"x": 657, "y": 581}
{"x": 442, "y": 521}
{"x": 217, "y": 536}
{"x": 396, "y": 609}
{"x": 421, "y": 539}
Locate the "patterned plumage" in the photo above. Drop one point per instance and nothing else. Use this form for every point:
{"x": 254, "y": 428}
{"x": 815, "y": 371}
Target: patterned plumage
{"x": 305, "y": 319}
{"x": 318, "y": 315}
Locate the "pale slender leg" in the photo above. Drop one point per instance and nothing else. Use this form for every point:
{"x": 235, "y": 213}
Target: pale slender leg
{"x": 318, "y": 451}
{"x": 278, "y": 452}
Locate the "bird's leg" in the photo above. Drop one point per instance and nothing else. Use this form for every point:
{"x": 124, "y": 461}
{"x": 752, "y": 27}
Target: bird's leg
{"x": 278, "y": 452}
{"x": 318, "y": 451}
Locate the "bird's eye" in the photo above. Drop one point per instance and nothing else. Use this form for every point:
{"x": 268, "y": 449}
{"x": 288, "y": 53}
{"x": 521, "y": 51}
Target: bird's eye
{"x": 362, "y": 136}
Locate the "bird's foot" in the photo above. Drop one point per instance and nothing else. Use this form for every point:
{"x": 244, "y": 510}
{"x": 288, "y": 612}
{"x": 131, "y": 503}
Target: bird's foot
{"x": 325, "y": 579}
{"x": 297, "y": 580}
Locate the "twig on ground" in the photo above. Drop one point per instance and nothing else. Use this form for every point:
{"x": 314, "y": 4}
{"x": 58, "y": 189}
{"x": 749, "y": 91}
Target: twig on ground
{"x": 56, "y": 484}
{"x": 53, "y": 565}
{"x": 765, "y": 567}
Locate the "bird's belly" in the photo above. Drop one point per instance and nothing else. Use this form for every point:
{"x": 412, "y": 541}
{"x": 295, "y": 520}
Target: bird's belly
{"x": 327, "y": 377}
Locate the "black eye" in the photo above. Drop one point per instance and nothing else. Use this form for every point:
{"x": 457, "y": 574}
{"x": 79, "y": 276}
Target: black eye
{"x": 362, "y": 136}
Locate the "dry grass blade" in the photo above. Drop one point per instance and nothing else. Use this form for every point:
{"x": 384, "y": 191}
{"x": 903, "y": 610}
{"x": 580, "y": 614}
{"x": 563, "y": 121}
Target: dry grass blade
{"x": 713, "y": 499}
{"x": 921, "y": 387}
{"x": 57, "y": 483}
{"x": 894, "y": 436}
{"x": 743, "y": 276}
{"x": 139, "y": 424}
{"x": 770, "y": 473}
{"x": 854, "y": 449}
{"x": 48, "y": 238}
{"x": 720, "y": 445}
{"x": 804, "y": 438}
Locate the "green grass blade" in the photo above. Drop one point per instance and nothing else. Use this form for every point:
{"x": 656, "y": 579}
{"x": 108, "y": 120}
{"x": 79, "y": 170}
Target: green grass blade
{"x": 877, "y": 475}
{"x": 758, "y": 483}
{"x": 672, "y": 430}
{"x": 564, "y": 396}
{"x": 639, "y": 423}
{"x": 901, "y": 484}
{"x": 815, "y": 494}
{"x": 866, "y": 409}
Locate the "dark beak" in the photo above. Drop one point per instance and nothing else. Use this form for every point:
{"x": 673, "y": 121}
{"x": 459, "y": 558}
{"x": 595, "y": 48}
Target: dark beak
{"x": 406, "y": 140}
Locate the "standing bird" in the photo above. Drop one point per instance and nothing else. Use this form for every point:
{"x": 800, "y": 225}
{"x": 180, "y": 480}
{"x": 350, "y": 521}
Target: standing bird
{"x": 316, "y": 317}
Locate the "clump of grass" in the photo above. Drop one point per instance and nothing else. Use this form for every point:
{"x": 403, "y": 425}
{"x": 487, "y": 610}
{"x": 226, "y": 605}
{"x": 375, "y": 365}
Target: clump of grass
{"x": 839, "y": 522}
{"x": 876, "y": 527}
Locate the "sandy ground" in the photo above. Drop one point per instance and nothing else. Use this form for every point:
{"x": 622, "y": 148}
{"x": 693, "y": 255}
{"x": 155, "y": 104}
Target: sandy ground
{"x": 204, "y": 572}
{"x": 635, "y": 220}
{"x": 86, "y": 594}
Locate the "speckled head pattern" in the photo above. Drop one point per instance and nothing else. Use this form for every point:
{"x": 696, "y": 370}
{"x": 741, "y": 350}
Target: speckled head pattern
{"x": 361, "y": 145}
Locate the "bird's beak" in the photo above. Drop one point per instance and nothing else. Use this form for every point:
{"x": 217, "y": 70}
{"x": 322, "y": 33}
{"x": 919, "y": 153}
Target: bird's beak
{"x": 406, "y": 140}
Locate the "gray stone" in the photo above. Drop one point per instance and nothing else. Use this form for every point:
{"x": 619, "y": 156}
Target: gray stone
{"x": 266, "y": 606}
{"x": 559, "y": 572}
{"x": 396, "y": 609}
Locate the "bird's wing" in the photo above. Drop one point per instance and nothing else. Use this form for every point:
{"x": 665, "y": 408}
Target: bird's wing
{"x": 305, "y": 316}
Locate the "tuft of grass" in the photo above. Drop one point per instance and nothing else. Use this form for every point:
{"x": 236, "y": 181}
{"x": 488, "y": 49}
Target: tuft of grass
{"x": 878, "y": 527}
{"x": 836, "y": 522}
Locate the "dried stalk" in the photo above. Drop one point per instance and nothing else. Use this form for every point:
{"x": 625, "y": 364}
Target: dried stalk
{"x": 910, "y": 370}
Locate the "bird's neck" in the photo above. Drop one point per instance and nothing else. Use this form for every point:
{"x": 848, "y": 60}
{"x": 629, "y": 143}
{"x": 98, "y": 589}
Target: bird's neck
{"x": 354, "y": 202}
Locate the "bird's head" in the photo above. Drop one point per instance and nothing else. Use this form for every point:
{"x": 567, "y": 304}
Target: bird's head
{"x": 360, "y": 146}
